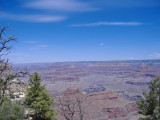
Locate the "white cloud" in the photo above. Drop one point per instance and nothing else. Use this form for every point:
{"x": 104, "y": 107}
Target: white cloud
{"x": 131, "y": 58}
{"x": 108, "y": 23}
{"x": 101, "y": 44}
{"x": 31, "y": 42}
{"x": 60, "y": 5}
{"x": 32, "y": 18}
{"x": 42, "y": 46}
{"x": 38, "y": 46}
{"x": 155, "y": 56}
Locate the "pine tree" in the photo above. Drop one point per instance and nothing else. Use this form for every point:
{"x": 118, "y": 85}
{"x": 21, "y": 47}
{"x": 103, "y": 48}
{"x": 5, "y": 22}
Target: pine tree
{"x": 38, "y": 100}
{"x": 11, "y": 111}
{"x": 149, "y": 105}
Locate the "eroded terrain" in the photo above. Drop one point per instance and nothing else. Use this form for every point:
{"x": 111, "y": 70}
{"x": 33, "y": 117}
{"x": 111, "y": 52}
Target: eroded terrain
{"x": 112, "y": 86}
{"x": 129, "y": 78}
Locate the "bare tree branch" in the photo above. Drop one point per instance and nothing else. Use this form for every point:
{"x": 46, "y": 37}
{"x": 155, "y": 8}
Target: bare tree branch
{"x": 6, "y": 72}
{"x": 71, "y": 107}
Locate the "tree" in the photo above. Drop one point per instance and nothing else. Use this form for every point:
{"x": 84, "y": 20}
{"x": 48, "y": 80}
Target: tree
{"x": 8, "y": 109}
{"x": 38, "y": 100}
{"x": 6, "y": 72}
{"x": 11, "y": 111}
{"x": 149, "y": 105}
{"x": 71, "y": 107}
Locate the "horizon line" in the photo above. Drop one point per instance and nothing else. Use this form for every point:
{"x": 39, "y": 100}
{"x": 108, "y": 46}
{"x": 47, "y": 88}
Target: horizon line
{"x": 88, "y": 61}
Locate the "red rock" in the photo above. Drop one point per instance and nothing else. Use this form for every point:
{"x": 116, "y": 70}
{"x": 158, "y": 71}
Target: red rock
{"x": 120, "y": 111}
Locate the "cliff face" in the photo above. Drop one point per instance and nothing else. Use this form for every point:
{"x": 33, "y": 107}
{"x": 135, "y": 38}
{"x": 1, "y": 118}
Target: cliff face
{"x": 120, "y": 111}
{"x": 72, "y": 71}
{"x": 108, "y": 105}
{"x": 17, "y": 85}
{"x": 130, "y": 78}
{"x": 102, "y": 105}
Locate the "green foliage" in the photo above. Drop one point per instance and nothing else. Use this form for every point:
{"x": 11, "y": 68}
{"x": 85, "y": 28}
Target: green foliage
{"x": 18, "y": 112}
{"x": 149, "y": 105}
{"x": 1, "y": 86}
{"x": 38, "y": 100}
{"x": 11, "y": 111}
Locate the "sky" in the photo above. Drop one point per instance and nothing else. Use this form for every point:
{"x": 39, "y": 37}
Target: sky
{"x": 82, "y": 30}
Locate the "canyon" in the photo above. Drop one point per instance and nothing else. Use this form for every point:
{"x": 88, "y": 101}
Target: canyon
{"x": 111, "y": 88}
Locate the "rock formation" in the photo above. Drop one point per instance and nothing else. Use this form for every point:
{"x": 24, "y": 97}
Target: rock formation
{"x": 106, "y": 105}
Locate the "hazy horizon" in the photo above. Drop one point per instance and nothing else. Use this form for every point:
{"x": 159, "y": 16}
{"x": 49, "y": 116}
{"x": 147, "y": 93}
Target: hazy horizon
{"x": 87, "y": 61}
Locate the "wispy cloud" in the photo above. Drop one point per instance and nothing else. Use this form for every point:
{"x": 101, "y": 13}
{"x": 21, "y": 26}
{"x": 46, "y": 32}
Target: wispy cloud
{"x": 131, "y": 58}
{"x": 155, "y": 56}
{"x": 127, "y": 3}
{"x": 42, "y": 46}
{"x": 108, "y": 24}
{"x": 31, "y": 42}
{"x": 32, "y": 18}
{"x": 61, "y": 5}
{"x": 38, "y": 46}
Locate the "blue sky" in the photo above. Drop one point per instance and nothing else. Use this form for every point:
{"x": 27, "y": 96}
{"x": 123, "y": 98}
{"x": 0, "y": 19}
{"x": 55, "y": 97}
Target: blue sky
{"x": 82, "y": 30}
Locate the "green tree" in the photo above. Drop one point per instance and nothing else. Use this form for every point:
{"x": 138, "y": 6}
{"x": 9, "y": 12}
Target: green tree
{"x": 38, "y": 100}
{"x": 8, "y": 109}
{"x": 18, "y": 112}
{"x": 149, "y": 105}
{"x": 11, "y": 111}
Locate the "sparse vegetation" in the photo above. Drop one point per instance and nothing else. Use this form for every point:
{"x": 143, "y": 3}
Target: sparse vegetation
{"x": 71, "y": 107}
{"x": 9, "y": 110}
{"x": 149, "y": 106}
{"x": 39, "y": 105}
{"x": 37, "y": 98}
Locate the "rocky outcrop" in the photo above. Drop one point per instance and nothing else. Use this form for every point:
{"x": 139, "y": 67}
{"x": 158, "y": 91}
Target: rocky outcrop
{"x": 72, "y": 71}
{"x": 105, "y": 105}
{"x": 93, "y": 89}
{"x": 120, "y": 111}
{"x": 137, "y": 83}
{"x": 17, "y": 85}
{"x": 71, "y": 91}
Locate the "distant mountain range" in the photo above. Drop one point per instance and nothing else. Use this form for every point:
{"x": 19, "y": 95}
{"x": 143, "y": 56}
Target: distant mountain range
{"x": 97, "y": 80}
{"x": 129, "y": 76}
